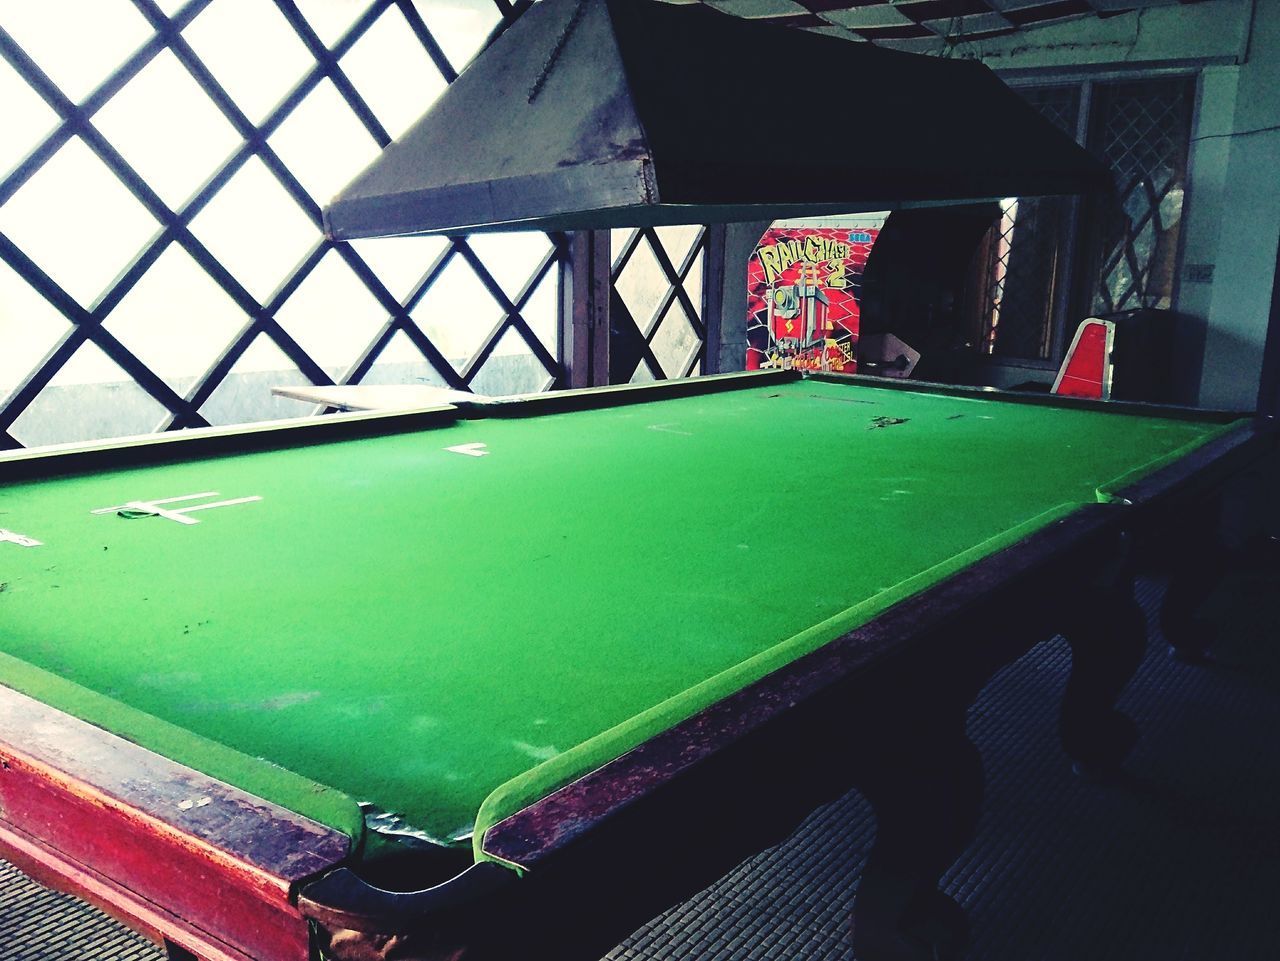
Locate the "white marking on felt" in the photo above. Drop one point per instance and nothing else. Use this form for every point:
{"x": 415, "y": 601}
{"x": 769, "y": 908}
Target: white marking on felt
{"x": 471, "y": 450}
{"x": 163, "y": 500}
{"x": 149, "y": 507}
{"x": 22, "y": 540}
{"x": 230, "y": 503}
{"x": 154, "y": 509}
{"x": 668, "y": 429}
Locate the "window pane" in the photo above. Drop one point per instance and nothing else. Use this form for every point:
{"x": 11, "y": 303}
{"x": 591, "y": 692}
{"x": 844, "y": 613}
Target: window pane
{"x": 646, "y": 307}
{"x": 80, "y": 224}
{"x": 333, "y": 316}
{"x": 400, "y": 362}
{"x": 1143, "y": 130}
{"x": 511, "y": 258}
{"x": 76, "y": 43}
{"x": 675, "y": 342}
{"x": 176, "y": 320}
{"x": 397, "y": 97}
{"x": 401, "y": 263}
{"x": 459, "y": 26}
{"x": 90, "y": 398}
{"x": 27, "y": 119}
{"x": 251, "y": 51}
{"x": 542, "y": 312}
{"x": 678, "y": 241}
{"x": 167, "y": 129}
{"x": 331, "y": 19}
{"x": 77, "y": 222}
{"x": 1023, "y": 276}
{"x": 512, "y": 368}
{"x": 30, "y": 327}
{"x": 1059, "y": 105}
{"x": 457, "y": 313}
{"x": 256, "y": 230}
{"x": 245, "y": 394}
{"x": 323, "y": 144}
{"x": 642, "y": 284}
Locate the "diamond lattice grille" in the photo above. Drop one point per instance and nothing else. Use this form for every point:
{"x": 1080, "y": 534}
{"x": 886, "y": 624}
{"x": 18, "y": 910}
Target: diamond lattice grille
{"x": 1143, "y": 130}
{"x": 161, "y": 257}
{"x": 1023, "y": 274}
{"x": 1059, "y": 105}
{"x": 1025, "y": 247}
{"x": 655, "y": 310}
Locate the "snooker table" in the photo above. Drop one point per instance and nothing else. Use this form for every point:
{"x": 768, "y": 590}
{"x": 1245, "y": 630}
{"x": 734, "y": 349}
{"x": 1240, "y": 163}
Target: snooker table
{"x": 506, "y": 680}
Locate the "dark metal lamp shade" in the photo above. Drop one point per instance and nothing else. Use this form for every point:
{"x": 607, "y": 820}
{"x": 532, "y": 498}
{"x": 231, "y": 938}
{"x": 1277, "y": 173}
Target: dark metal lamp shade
{"x": 603, "y": 113}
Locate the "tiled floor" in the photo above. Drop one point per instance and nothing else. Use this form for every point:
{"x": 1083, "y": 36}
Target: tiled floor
{"x": 38, "y": 925}
{"x": 1180, "y": 861}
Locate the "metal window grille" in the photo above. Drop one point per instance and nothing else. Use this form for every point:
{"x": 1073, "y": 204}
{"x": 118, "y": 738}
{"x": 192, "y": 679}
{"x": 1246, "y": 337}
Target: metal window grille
{"x": 656, "y": 303}
{"x": 1025, "y": 248}
{"x": 1060, "y": 105}
{"x": 1127, "y": 251}
{"x": 164, "y": 276}
{"x": 1044, "y": 272}
{"x": 1143, "y": 130}
{"x": 1023, "y": 277}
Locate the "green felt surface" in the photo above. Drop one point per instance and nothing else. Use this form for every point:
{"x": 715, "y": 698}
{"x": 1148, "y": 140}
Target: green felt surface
{"x": 427, "y": 630}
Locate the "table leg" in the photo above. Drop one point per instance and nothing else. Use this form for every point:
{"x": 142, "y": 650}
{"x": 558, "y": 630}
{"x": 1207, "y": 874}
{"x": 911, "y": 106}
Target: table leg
{"x": 1196, "y": 569}
{"x": 926, "y": 793}
{"x": 1108, "y": 634}
{"x": 359, "y": 946}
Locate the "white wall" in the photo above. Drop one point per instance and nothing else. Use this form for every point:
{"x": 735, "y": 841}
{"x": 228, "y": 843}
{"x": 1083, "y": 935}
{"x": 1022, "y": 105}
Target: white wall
{"x": 1248, "y": 227}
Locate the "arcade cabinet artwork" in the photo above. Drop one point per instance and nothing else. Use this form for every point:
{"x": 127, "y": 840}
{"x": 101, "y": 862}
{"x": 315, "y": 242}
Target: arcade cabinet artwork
{"x": 803, "y": 283}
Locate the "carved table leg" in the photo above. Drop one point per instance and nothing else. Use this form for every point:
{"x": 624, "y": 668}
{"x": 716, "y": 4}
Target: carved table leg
{"x": 926, "y": 794}
{"x": 1108, "y": 636}
{"x": 1197, "y": 570}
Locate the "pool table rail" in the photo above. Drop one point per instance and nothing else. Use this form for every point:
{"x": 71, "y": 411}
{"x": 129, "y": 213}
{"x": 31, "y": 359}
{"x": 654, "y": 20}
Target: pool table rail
{"x": 1179, "y": 510}
{"x": 880, "y": 708}
{"x": 119, "y": 453}
{"x": 208, "y": 866}
{"x": 1202, "y": 471}
{"x": 1036, "y": 399}
{"x": 147, "y": 450}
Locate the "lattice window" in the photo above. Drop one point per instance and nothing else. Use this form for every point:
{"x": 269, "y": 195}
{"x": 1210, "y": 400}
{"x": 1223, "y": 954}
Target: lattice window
{"x": 1060, "y": 105}
{"x": 1024, "y": 247}
{"x": 655, "y": 310}
{"x": 1023, "y": 276}
{"x": 1143, "y": 130}
{"x": 161, "y": 260}
{"x": 1128, "y": 249}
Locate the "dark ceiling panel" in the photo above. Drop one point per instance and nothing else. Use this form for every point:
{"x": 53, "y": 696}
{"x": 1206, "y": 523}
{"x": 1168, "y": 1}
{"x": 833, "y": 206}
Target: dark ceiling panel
{"x": 947, "y": 20}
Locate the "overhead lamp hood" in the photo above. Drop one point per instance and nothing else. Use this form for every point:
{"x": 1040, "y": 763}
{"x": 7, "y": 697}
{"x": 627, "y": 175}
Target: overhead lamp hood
{"x": 602, "y": 113}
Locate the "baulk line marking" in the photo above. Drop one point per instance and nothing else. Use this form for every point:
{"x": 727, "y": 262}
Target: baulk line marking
{"x": 22, "y": 540}
{"x": 470, "y": 450}
{"x": 155, "y": 508}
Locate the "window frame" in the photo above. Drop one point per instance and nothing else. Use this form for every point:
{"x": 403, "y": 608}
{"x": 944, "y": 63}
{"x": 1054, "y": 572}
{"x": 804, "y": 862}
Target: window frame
{"x": 87, "y": 322}
{"x": 1074, "y": 281}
